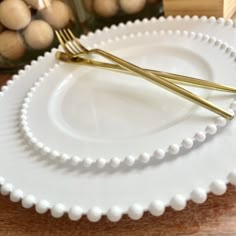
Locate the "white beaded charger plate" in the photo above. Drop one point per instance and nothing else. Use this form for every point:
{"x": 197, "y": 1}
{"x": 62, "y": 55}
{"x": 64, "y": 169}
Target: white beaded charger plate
{"x": 93, "y": 116}
{"x": 64, "y": 189}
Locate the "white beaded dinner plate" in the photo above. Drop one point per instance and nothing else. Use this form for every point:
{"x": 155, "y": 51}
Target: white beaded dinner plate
{"x": 94, "y": 116}
{"x": 63, "y": 189}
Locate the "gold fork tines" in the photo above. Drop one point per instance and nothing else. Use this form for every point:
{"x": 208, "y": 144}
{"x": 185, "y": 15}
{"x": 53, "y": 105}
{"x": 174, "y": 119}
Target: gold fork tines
{"x": 73, "y": 46}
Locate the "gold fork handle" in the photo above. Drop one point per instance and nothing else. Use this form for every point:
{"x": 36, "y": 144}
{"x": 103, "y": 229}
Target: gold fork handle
{"x": 164, "y": 83}
{"x": 174, "y": 78}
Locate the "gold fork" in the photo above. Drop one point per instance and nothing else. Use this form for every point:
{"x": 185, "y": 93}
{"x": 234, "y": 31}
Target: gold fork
{"x": 174, "y": 78}
{"x": 72, "y": 46}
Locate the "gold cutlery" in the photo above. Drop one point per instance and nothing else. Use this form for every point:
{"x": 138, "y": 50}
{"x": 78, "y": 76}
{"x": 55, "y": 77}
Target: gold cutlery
{"x": 174, "y": 78}
{"x": 73, "y": 47}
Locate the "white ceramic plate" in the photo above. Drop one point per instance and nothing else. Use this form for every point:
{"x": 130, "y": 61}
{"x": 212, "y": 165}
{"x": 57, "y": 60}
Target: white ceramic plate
{"x": 42, "y": 184}
{"x": 91, "y": 115}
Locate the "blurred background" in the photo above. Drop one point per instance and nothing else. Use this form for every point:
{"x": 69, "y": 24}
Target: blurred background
{"x": 27, "y": 26}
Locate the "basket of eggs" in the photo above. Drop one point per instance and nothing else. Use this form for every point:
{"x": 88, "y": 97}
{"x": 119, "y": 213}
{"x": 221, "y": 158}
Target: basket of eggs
{"x": 27, "y": 28}
{"x": 95, "y": 14}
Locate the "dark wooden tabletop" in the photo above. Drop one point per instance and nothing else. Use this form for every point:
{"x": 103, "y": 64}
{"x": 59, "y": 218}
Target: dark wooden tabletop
{"x": 217, "y": 216}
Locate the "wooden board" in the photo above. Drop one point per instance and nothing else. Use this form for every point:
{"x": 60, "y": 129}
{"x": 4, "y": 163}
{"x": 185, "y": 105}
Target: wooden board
{"x": 229, "y": 8}
{"x": 217, "y": 8}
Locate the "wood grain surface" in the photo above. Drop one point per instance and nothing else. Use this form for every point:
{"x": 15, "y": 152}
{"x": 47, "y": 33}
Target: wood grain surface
{"x": 217, "y": 8}
{"x": 217, "y": 216}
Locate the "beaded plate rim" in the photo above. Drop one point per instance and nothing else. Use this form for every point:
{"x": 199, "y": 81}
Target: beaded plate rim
{"x": 129, "y": 160}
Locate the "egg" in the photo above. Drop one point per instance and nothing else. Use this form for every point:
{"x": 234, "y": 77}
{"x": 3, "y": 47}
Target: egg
{"x": 38, "y": 34}
{"x": 14, "y": 14}
{"x": 88, "y": 5}
{"x": 38, "y": 4}
{"x": 58, "y": 14}
{"x": 106, "y": 8}
{"x": 132, "y": 6}
{"x": 11, "y": 45}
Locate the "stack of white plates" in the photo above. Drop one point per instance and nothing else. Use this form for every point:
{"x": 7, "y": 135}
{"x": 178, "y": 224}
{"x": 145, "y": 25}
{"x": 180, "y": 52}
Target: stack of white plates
{"x": 82, "y": 140}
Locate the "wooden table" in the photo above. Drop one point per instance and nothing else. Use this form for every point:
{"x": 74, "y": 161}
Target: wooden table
{"x": 215, "y": 217}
